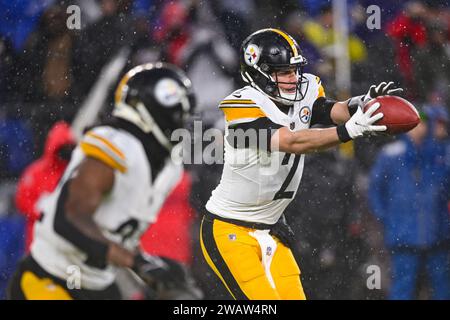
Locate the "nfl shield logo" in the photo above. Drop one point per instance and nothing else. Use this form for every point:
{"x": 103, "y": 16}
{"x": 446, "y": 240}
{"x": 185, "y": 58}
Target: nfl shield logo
{"x": 269, "y": 251}
{"x": 232, "y": 237}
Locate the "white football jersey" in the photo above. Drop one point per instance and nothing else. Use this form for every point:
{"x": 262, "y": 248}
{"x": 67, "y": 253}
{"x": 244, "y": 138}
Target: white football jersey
{"x": 257, "y": 185}
{"x": 123, "y": 215}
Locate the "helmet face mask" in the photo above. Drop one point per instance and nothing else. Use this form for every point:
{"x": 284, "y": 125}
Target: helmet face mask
{"x": 265, "y": 54}
{"x": 300, "y": 86}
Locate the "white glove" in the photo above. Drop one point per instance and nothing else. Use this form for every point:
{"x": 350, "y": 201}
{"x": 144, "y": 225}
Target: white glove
{"x": 381, "y": 90}
{"x": 361, "y": 123}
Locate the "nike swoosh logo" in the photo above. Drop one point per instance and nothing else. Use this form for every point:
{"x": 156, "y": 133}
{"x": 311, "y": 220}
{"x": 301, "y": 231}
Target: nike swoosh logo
{"x": 237, "y": 95}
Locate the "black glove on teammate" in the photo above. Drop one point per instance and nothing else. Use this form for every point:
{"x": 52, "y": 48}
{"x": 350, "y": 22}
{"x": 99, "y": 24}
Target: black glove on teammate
{"x": 154, "y": 270}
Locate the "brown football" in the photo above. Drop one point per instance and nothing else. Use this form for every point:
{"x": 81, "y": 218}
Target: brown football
{"x": 399, "y": 114}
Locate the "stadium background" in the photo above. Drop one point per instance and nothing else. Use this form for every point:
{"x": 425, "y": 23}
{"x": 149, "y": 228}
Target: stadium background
{"x": 48, "y": 73}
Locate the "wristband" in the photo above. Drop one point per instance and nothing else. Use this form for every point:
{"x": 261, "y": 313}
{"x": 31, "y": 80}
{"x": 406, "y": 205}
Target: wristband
{"x": 342, "y": 133}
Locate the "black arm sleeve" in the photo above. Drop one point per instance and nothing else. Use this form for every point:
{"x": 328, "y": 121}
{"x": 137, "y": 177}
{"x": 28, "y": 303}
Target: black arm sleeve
{"x": 96, "y": 251}
{"x": 254, "y": 134}
{"x": 321, "y": 112}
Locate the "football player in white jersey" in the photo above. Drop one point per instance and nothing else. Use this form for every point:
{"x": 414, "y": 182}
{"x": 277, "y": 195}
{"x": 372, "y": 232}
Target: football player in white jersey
{"x": 118, "y": 178}
{"x": 244, "y": 236}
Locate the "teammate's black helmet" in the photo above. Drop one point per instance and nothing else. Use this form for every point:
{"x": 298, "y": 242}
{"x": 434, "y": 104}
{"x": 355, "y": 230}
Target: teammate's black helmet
{"x": 155, "y": 97}
{"x": 267, "y": 51}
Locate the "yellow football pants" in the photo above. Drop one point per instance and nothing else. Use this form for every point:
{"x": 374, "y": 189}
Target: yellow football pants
{"x": 235, "y": 257}
{"x": 32, "y": 282}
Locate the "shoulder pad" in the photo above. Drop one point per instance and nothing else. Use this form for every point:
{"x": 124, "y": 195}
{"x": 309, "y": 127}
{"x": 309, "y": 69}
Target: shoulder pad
{"x": 242, "y": 104}
{"x": 103, "y": 143}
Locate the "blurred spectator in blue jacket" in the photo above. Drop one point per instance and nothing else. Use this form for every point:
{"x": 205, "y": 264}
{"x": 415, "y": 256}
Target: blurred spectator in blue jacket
{"x": 19, "y": 18}
{"x": 409, "y": 193}
{"x": 16, "y": 147}
{"x": 12, "y": 229}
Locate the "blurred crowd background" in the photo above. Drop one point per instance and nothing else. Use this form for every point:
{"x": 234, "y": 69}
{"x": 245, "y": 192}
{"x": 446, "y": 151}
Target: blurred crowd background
{"x": 342, "y": 215}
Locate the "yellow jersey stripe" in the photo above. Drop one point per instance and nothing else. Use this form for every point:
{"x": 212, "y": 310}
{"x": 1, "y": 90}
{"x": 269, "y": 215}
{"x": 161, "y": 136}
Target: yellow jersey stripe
{"x": 107, "y": 143}
{"x": 288, "y": 39}
{"x": 234, "y": 113}
{"x": 243, "y": 101}
{"x": 238, "y": 106}
{"x": 321, "y": 89}
{"x": 97, "y": 153}
{"x": 321, "y": 92}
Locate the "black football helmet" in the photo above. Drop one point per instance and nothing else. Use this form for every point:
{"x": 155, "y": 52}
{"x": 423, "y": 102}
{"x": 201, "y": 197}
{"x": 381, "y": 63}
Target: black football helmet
{"x": 267, "y": 51}
{"x": 157, "y": 98}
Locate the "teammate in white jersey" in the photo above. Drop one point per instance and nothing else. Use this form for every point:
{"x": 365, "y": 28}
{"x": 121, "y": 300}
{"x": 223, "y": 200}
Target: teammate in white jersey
{"x": 118, "y": 178}
{"x": 244, "y": 235}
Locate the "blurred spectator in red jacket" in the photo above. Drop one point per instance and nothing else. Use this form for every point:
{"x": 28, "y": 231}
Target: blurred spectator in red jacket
{"x": 432, "y": 63}
{"x": 173, "y": 227}
{"x": 42, "y": 176}
{"x": 172, "y": 32}
{"x": 408, "y": 32}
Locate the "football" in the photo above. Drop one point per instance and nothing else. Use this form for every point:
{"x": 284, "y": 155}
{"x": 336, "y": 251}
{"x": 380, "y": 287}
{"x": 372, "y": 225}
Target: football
{"x": 399, "y": 114}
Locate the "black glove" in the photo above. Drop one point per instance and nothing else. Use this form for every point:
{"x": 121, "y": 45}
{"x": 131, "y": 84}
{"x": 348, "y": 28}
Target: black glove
{"x": 374, "y": 91}
{"x": 159, "y": 273}
{"x": 381, "y": 90}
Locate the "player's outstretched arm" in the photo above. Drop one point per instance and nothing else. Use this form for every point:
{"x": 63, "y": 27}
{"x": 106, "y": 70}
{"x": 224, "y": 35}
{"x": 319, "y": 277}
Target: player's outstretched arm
{"x": 86, "y": 190}
{"x": 304, "y": 141}
{"x": 313, "y": 140}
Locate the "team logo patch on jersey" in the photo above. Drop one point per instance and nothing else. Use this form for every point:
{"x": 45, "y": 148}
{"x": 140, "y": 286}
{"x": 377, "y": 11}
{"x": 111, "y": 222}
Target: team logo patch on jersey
{"x": 232, "y": 236}
{"x": 305, "y": 114}
{"x": 251, "y": 55}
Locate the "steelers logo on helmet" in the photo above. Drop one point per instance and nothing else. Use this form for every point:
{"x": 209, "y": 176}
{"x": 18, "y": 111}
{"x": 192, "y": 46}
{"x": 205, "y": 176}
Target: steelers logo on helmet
{"x": 251, "y": 55}
{"x": 168, "y": 92}
{"x": 305, "y": 114}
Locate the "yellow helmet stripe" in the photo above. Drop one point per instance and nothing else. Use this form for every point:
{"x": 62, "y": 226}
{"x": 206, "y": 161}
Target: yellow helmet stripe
{"x": 288, "y": 39}
{"x": 119, "y": 90}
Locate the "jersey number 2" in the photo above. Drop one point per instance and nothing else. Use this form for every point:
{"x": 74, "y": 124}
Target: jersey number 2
{"x": 282, "y": 193}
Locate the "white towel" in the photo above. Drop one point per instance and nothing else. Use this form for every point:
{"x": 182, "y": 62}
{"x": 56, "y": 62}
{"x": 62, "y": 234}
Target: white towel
{"x": 268, "y": 247}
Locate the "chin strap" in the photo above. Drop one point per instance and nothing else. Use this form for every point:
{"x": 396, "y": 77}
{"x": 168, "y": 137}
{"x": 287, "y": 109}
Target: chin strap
{"x": 248, "y": 79}
{"x": 282, "y": 98}
{"x": 143, "y": 119}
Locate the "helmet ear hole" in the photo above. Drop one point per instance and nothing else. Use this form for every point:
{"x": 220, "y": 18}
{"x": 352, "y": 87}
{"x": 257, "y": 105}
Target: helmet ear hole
{"x": 264, "y": 67}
